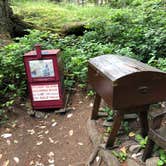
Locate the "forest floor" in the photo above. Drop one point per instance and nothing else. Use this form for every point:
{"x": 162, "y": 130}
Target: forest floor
{"x": 53, "y": 140}
{"x": 59, "y": 139}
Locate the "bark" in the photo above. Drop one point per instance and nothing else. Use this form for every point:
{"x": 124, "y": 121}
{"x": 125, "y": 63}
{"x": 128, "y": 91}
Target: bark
{"x": 10, "y": 23}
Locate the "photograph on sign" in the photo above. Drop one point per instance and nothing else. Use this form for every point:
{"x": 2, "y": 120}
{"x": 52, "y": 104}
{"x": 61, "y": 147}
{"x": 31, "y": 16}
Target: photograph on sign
{"x": 45, "y": 92}
{"x": 41, "y": 68}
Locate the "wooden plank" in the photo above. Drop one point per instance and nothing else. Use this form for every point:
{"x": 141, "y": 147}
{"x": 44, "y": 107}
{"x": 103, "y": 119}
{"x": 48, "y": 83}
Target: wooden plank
{"x": 115, "y": 66}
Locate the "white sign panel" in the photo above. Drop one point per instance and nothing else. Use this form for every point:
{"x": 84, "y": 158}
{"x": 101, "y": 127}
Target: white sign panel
{"x": 45, "y": 92}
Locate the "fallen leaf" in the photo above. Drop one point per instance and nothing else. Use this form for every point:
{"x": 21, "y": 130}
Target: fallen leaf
{"x": 38, "y": 156}
{"x": 80, "y": 143}
{"x": 69, "y": 115}
{"x": 51, "y": 140}
{"x": 6, "y": 135}
{"x": 7, "y": 129}
{"x": 15, "y": 141}
{"x": 40, "y": 136}
{"x": 5, "y": 163}
{"x": 131, "y": 134}
{"x": 123, "y": 149}
{"x": 42, "y": 127}
{"x": 91, "y": 104}
{"x": 8, "y": 141}
{"x": 51, "y": 154}
{"x": 31, "y": 163}
{"x": 16, "y": 159}
{"x": 46, "y": 132}
{"x": 50, "y": 161}
{"x": 97, "y": 159}
{"x": 53, "y": 120}
{"x": 54, "y": 124}
{"x": 71, "y": 132}
{"x": 51, "y": 164}
{"x": 31, "y": 131}
{"x": 39, "y": 143}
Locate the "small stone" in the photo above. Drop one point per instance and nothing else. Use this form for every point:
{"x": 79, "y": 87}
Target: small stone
{"x": 152, "y": 161}
{"x": 131, "y": 162}
{"x": 31, "y": 112}
{"x": 39, "y": 114}
{"x": 134, "y": 148}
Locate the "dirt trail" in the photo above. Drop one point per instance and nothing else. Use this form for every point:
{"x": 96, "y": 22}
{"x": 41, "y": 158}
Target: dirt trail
{"x": 59, "y": 140}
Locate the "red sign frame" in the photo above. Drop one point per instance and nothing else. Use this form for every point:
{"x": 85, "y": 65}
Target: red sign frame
{"x": 38, "y": 59}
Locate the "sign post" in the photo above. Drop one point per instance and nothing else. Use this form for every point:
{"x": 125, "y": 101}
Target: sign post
{"x": 45, "y": 78}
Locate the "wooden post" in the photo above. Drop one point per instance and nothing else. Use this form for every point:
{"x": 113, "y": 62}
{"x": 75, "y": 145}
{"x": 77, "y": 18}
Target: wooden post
{"x": 143, "y": 116}
{"x": 96, "y": 106}
{"x": 116, "y": 125}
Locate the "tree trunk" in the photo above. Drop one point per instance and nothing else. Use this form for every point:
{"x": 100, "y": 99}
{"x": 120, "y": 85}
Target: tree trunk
{"x": 10, "y": 23}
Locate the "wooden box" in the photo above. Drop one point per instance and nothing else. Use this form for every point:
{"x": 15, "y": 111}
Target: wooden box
{"x": 126, "y": 83}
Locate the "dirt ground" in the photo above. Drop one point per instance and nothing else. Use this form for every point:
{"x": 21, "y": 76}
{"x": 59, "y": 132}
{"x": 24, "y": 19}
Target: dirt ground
{"x": 59, "y": 140}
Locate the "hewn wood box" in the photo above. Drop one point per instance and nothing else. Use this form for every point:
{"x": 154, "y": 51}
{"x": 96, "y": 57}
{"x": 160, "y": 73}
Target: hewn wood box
{"x": 126, "y": 83}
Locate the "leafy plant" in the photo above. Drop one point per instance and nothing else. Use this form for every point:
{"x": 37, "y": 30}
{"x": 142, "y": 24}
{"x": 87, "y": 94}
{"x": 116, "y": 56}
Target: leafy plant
{"x": 91, "y": 93}
{"x": 162, "y": 158}
{"x": 126, "y": 127}
{"x": 122, "y": 156}
{"x": 109, "y": 112}
{"x": 142, "y": 141}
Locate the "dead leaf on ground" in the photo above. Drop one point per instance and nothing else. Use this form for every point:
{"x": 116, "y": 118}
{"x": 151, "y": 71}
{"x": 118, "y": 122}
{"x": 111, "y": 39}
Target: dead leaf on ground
{"x": 71, "y": 132}
{"x": 6, "y": 135}
{"x": 51, "y": 154}
{"x": 31, "y": 131}
{"x": 69, "y": 115}
{"x": 16, "y": 159}
{"x": 15, "y": 141}
{"x": 51, "y": 140}
{"x": 123, "y": 149}
{"x": 131, "y": 134}
{"x": 5, "y": 163}
{"x": 80, "y": 143}
{"x": 54, "y": 124}
{"x": 39, "y": 143}
{"x": 46, "y": 132}
{"x": 53, "y": 120}
{"x": 42, "y": 127}
{"x": 51, "y": 161}
{"x": 8, "y": 141}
